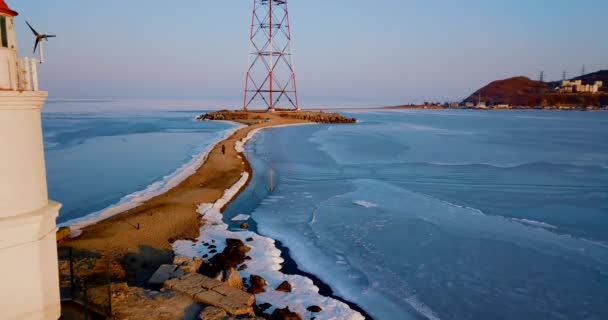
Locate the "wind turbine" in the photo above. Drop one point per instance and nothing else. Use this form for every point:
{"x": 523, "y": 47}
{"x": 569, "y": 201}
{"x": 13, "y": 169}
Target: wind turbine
{"x": 39, "y": 41}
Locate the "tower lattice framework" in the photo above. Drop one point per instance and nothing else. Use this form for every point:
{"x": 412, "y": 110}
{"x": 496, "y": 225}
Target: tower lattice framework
{"x": 270, "y": 81}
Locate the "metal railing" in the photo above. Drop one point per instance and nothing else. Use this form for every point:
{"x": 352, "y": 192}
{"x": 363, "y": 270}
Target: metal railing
{"x": 86, "y": 285}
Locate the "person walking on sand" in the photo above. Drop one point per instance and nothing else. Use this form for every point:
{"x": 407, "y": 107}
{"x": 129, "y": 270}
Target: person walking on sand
{"x": 223, "y": 149}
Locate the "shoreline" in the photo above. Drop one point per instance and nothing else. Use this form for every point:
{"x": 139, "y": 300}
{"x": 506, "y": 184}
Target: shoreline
{"x": 206, "y": 184}
{"x": 290, "y": 266}
{"x": 145, "y": 237}
{"x": 136, "y": 198}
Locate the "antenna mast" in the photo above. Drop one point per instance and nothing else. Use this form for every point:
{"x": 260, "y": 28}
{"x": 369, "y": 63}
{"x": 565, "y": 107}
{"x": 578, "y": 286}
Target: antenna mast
{"x": 583, "y": 71}
{"x": 270, "y": 80}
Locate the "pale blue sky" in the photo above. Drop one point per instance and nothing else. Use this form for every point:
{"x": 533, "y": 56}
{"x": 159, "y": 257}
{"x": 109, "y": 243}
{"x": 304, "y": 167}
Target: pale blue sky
{"x": 346, "y": 51}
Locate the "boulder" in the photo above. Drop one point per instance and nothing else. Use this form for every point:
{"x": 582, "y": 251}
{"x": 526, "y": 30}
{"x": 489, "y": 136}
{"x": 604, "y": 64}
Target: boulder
{"x": 258, "y": 284}
{"x": 193, "y": 265}
{"x": 284, "y": 287}
{"x": 219, "y": 276}
{"x": 213, "y": 313}
{"x": 181, "y": 260}
{"x": 314, "y": 309}
{"x": 244, "y": 225}
{"x": 187, "y": 264}
{"x": 233, "y": 255}
{"x": 191, "y": 284}
{"x": 264, "y": 306}
{"x": 233, "y": 279}
{"x": 214, "y": 293}
{"x": 284, "y": 314}
{"x": 164, "y": 273}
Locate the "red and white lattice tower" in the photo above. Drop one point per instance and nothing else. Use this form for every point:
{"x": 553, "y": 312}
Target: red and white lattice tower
{"x": 270, "y": 81}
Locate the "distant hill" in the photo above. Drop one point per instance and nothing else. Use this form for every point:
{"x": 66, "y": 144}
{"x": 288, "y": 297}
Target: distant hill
{"x": 512, "y": 91}
{"x": 522, "y": 91}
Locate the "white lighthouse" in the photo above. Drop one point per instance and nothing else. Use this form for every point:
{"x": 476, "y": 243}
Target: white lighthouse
{"x": 29, "y": 282}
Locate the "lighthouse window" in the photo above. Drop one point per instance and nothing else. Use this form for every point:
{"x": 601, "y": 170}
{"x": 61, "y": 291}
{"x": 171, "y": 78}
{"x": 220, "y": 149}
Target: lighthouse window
{"x": 3, "y": 31}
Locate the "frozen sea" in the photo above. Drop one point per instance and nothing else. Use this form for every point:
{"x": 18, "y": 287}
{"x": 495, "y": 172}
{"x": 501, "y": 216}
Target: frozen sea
{"x": 106, "y": 161}
{"x": 443, "y": 214}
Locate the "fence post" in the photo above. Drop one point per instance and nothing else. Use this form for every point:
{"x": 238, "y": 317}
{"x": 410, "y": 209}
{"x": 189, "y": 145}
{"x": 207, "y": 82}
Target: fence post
{"x": 85, "y": 301}
{"x": 71, "y": 274}
{"x": 109, "y": 288}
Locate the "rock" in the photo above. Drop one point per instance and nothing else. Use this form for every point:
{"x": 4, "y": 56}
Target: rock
{"x": 115, "y": 269}
{"x": 233, "y": 279}
{"x": 314, "y": 309}
{"x": 213, "y": 313}
{"x": 193, "y": 265}
{"x": 234, "y": 242}
{"x": 191, "y": 284}
{"x": 165, "y": 272}
{"x": 181, "y": 260}
{"x": 249, "y": 239}
{"x": 187, "y": 264}
{"x": 284, "y": 314}
{"x": 284, "y": 287}
{"x": 244, "y": 225}
{"x": 233, "y": 255}
{"x": 63, "y": 233}
{"x": 214, "y": 293}
{"x": 219, "y": 276}
{"x": 258, "y": 284}
{"x": 243, "y": 267}
{"x": 264, "y": 306}
{"x": 138, "y": 303}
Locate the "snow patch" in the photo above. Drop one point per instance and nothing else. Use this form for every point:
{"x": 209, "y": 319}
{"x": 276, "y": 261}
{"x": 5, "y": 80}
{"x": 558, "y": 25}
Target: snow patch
{"x": 265, "y": 261}
{"x": 365, "y": 204}
{"x": 534, "y": 223}
{"x": 241, "y": 217}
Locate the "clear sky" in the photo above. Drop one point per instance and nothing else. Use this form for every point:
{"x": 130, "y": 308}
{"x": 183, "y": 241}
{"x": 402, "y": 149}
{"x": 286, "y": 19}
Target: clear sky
{"x": 377, "y": 52}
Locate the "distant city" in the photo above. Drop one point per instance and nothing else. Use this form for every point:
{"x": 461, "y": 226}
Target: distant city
{"x": 587, "y": 92}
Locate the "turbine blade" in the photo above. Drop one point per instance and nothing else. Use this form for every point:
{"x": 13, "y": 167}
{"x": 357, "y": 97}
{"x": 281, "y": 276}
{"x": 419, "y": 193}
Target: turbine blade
{"x": 34, "y": 31}
{"x": 36, "y": 44}
{"x": 51, "y": 36}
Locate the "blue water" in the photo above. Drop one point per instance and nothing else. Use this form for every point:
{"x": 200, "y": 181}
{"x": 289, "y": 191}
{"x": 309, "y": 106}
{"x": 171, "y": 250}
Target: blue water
{"x": 444, "y": 215}
{"x": 95, "y": 159}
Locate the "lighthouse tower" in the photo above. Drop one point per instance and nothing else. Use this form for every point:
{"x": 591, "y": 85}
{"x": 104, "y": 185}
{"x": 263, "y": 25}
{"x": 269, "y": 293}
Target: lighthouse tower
{"x": 29, "y": 282}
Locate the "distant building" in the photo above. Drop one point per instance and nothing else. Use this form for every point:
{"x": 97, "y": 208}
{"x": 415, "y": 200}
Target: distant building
{"x": 481, "y": 105}
{"x": 469, "y": 104}
{"x": 577, "y": 86}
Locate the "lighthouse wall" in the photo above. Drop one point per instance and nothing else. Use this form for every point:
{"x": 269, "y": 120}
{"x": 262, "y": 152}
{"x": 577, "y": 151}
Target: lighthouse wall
{"x": 28, "y": 252}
